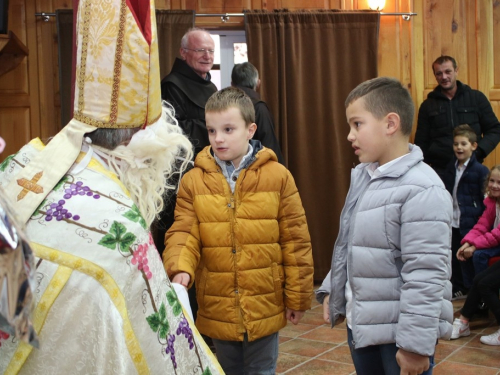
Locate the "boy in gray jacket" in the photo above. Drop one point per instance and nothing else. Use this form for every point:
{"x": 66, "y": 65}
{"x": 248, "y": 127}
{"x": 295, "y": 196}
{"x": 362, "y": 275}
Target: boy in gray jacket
{"x": 391, "y": 261}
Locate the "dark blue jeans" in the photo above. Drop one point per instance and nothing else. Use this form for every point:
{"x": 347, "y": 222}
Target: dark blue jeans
{"x": 378, "y": 359}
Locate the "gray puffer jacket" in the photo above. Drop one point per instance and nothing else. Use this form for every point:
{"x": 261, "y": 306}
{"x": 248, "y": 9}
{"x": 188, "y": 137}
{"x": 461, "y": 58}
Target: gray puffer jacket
{"x": 396, "y": 231}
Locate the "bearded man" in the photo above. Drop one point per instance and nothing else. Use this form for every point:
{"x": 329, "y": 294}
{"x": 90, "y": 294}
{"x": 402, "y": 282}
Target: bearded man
{"x": 104, "y": 304}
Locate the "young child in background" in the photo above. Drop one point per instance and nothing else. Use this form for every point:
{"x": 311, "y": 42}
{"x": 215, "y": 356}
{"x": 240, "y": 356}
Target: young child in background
{"x": 483, "y": 240}
{"x": 241, "y": 230}
{"x": 464, "y": 178}
{"x": 391, "y": 261}
{"x": 485, "y": 288}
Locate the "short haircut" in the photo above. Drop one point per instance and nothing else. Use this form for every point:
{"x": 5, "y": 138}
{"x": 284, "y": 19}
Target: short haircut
{"x": 185, "y": 38}
{"x": 384, "y": 95}
{"x": 245, "y": 75}
{"x": 442, "y": 59}
{"x": 466, "y": 131}
{"x": 232, "y": 97}
{"x": 110, "y": 138}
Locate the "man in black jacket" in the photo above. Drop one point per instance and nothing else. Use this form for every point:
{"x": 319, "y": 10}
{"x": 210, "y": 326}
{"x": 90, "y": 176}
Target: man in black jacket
{"x": 246, "y": 77}
{"x": 187, "y": 87}
{"x": 449, "y": 105}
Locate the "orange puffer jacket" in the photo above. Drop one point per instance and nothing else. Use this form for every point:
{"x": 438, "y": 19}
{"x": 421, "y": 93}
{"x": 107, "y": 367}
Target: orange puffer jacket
{"x": 249, "y": 251}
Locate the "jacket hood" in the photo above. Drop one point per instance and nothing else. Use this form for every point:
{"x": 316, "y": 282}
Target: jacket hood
{"x": 261, "y": 155}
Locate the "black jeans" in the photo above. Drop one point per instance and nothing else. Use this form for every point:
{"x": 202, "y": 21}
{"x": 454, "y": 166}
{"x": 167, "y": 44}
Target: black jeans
{"x": 485, "y": 286}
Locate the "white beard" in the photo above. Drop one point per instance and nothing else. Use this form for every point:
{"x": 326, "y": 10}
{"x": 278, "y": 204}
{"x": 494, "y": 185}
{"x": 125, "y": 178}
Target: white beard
{"x": 146, "y": 164}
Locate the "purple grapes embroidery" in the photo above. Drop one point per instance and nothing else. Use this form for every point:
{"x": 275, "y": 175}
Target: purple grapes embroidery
{"x": 57, "y": 211}
{"x": 78, "y": 189}
{"x": 185, "y": 330}
{"x": 170, "y": 349}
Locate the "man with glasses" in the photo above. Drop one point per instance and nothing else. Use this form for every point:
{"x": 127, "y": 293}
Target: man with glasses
{"x": 188, "y": 85}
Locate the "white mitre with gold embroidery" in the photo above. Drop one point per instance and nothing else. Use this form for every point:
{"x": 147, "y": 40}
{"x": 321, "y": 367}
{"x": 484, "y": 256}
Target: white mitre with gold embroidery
{"x": 117, "y": 85}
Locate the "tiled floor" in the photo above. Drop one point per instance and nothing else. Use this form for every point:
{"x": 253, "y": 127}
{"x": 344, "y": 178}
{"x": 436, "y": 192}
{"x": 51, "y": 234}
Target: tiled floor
{"x": 313, "y": 348}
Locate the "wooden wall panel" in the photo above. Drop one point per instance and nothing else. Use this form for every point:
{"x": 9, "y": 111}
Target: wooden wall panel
{"x": 48, "y": 67}
{"x": 496, "y": 44}
{"x": 19, "y": 120}
{"x": 444, "y": 34}
{"x": 19, "y": 116}
{"x": 469, "y": 30}
{"x": 304, "y": 4}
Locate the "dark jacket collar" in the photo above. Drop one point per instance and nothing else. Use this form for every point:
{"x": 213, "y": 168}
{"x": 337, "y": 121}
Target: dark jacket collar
{"x": 197, "y": 89}
{"x": 437, "y": 93}
{"x": 181, "y": 67}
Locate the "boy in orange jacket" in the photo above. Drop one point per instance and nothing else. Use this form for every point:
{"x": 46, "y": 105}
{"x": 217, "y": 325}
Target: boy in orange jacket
{"x": 240, "y": 230}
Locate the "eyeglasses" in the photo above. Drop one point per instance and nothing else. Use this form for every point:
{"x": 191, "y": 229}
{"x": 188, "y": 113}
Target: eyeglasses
{"x": 202, "y": 51}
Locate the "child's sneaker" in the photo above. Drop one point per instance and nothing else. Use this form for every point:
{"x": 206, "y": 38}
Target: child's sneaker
{"x": 458, "y": 295}
{"x": 493, "y": 339}
{"x": 460, "y": 329}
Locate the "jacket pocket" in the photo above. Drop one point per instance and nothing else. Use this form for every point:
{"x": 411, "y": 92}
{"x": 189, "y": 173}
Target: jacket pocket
{"x": 437, "y": 118}
{"x": 278, "y": 284}
{"x": 468, "y": 115}
{"x": 200, "y": 288}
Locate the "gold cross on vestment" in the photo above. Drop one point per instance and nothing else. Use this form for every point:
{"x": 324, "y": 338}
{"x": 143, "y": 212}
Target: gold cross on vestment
{"x": 30, "y": 185}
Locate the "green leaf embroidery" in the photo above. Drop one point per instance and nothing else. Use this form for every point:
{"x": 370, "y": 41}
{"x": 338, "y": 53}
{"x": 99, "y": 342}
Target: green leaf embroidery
{"x": 118, "y": 230}
{"x": 158, "y": 322}
{"x": 171, "y": 298}
{"x": 118, "y": 235}
{"x": 126, "y": 241}
{"x": 207, "y": 371}
{"x": 135, "y": 215}
{"x": 163, "y": 312}
{"x": 174, "y": 302}
{"x": 164, "y": 328}
{"x": 154, "y": 321}
{"x": 6, "y": 162}
{"x": 108, "y": 241}
{"x": 177, "y": 309}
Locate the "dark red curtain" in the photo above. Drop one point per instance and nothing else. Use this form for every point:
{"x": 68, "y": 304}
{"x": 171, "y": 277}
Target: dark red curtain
{"x": 308, "y": 62}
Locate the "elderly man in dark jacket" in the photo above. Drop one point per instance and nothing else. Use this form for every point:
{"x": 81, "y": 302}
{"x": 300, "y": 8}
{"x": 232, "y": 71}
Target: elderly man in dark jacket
{"x": 188, "y": 85}
{"x": 450, "y": 104}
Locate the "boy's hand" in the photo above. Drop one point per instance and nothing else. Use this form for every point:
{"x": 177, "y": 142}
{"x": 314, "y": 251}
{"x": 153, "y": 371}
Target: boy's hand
{"x": 182, "y": 278}
{"x": 411, "y": 363}
{"x": 326, "y": 309}
{"x": 294, "y": 315}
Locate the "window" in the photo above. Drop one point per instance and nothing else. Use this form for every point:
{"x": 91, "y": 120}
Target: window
{"x": 230, "y": 49}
